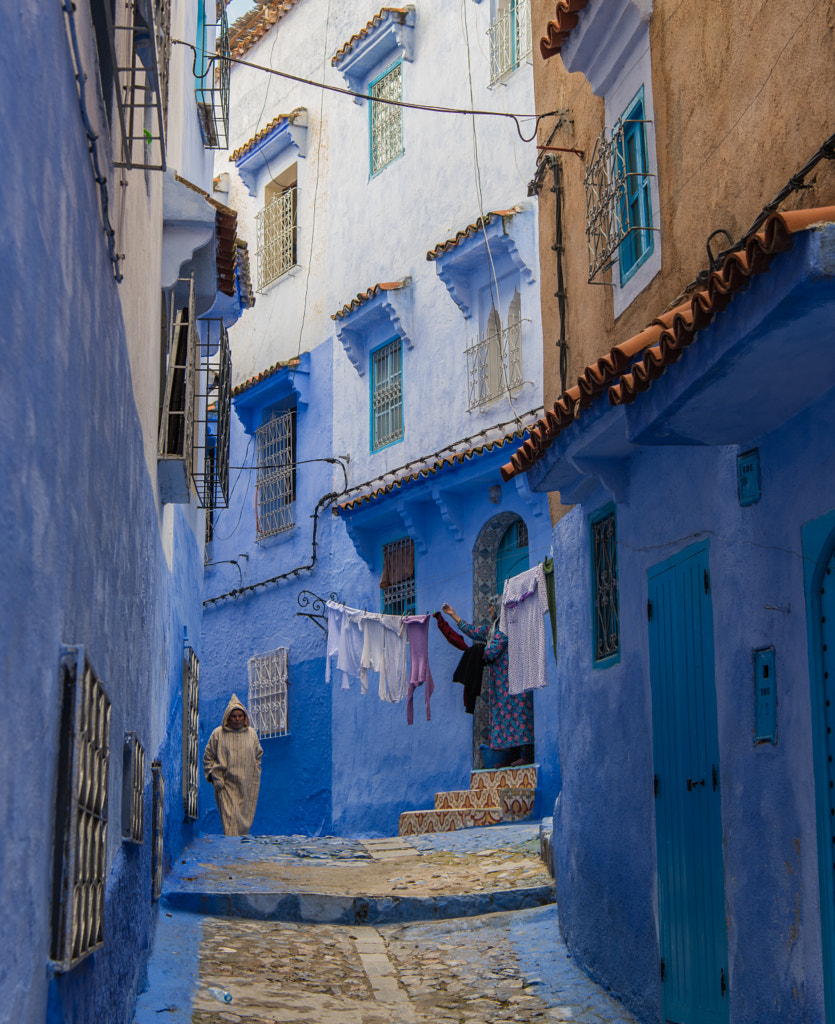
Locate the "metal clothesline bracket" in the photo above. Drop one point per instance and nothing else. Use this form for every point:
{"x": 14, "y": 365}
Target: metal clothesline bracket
{"x": 318, "y": 612}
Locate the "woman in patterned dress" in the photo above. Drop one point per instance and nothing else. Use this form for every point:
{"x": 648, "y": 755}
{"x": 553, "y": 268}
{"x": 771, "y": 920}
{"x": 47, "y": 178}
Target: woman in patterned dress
{"x": 511, "y": 716}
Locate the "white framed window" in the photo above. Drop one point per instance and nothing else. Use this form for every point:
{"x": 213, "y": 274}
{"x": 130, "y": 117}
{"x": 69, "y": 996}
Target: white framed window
{"x": 80, "y": 863}
{"x": 275, "y": 483}
{"x": 268, "y": 683}
{"x": 386, "y": 119}
{"x": 386, "y": 394}
{"x": 494, "y": 359}
{"x": 511, "y": 42}
{"x": 277, "y": 228}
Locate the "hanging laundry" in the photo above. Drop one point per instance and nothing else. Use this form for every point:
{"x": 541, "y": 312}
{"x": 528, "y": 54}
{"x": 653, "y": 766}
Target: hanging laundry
{"x": 345, "y": 640}
{"x": 419, "y": 671}
{"x": 470, "y": 671}
{"x": 524, "y": 603}
{"x": 385, "y": 651}
{"x": 334, "y": 629}
{"x": 551, "y": 591}
{"x": 449, "y": 633}
{"x": 396, "y": 659}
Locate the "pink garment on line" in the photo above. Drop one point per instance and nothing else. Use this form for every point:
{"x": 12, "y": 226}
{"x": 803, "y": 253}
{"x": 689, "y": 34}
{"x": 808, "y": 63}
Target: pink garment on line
{"x": 419, "y": 671}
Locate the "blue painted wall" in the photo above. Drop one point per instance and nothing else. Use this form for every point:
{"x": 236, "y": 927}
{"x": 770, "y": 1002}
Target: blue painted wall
{"x": 604, "y": 821}
{"x": 83, "y": 541}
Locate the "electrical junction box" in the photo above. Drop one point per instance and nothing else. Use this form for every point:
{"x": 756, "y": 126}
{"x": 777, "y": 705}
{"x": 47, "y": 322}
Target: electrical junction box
{"x": 765, "y": 697}
{"x": 749, "y": 478}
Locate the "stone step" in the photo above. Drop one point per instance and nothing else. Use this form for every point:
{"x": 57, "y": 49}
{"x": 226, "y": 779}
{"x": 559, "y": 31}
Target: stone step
{"x": 504, "y": 778}
{"x": 418, "y": 823}
{"x": 516, "y": 803}
{"x": 467, "y": 799}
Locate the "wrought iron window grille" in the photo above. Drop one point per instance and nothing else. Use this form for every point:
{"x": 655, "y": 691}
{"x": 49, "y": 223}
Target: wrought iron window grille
{"x": 191, "y": 732}
{"x": 386, "y": 120}
{"x": 141, "y": 47}
{"x": 80, "y": 847}
{"x": 268, "y": 683}
{"x": 277, "y": 231}
{"x": 399, "y": 596}
{"x": 213, "y": 74}
{"x": 214, "y": 403}
{"x": 511, "y": 41}
{"x": 386, "y": 395}
{"x": 608, "y": 181}
{"x": 605, "y": 567}
{"x": 158, "y": 829}
{"x": 133, "y": 789}
{"x": 494, "y": 359}
{"x": 275, "y": 482}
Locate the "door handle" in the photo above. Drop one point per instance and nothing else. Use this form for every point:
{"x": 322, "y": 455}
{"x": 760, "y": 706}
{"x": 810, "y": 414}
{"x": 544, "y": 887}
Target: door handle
{"x": 692, "y": 783}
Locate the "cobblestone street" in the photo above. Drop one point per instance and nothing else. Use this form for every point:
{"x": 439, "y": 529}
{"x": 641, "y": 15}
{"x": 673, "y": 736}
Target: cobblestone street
{"x": 483, "y": 968}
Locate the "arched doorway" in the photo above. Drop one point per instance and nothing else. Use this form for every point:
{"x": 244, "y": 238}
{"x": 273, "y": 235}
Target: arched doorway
{"x": 500, "y": 552}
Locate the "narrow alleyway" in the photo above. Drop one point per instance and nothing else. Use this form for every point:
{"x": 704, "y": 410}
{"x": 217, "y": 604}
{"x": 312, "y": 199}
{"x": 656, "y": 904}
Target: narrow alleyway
{"x": 451, "y": 927}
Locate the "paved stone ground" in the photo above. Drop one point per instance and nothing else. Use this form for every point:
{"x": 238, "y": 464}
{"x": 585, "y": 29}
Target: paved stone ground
{"x": 490, "y": 969}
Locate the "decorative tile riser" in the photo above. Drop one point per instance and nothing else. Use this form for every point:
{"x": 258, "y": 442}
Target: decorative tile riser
{"x": 418, "y": 823}
{"x": 467, "y": 799}
{"x": 516, "y": 804}
{"x": 504, "y": 778}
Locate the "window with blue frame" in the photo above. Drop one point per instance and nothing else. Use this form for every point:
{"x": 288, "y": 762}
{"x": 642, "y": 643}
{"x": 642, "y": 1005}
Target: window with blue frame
{"x": 512, "y": 554}
{"x": 605, "y": 620}
{"x": 386, "y": 119}
{"x": 635, "y": 204}
{"x": 386, "y": 394}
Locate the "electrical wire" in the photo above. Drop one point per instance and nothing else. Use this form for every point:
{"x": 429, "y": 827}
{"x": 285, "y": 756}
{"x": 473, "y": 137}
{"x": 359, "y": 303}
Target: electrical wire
{"x": 431, "y": 107}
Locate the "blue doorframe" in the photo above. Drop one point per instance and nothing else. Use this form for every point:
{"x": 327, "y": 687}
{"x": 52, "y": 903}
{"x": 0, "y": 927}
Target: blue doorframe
{"x": 818, "y": 541}
{"x": 688, "y": 823}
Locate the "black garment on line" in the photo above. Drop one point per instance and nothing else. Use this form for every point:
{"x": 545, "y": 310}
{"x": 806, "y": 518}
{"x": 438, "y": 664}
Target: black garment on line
{"x": 468, "y": 672}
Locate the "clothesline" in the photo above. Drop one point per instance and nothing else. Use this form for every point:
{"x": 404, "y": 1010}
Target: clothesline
{"x": 397, "y": 646}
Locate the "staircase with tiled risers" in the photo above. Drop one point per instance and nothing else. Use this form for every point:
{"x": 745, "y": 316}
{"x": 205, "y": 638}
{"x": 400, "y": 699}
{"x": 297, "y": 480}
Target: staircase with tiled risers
{"x": 495, "y": 796}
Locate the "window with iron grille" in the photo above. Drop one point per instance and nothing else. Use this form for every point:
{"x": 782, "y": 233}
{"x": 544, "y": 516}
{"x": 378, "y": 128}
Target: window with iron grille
{"x": 80, "y": 847}
{"x": 494, "y": 361}
{"x": 510, "y": 38}
{"x": 212, "y": 76}
{"x": 158, "y": 824}
{"x": 133, "y": 789}
{"x": 268, "y": 681}
{"x": 277, "y": 229}
{"x": 213, "y": 407}
{"x": 605, "y": 625}
{"x": 386, "y": 395}
{"x": 191, "y": 732}
{"x": 397, "y": 582}
{"x": 275, "y": 484}
{"x": 386, "y": 119}
{"x": 618, "y": 203}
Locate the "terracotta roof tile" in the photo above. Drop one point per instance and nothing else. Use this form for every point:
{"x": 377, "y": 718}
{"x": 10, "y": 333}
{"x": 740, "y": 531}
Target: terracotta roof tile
{"x": 247, "y": 384}
{"x": 244, "y": 278}
{"x": 661, "y": 344}
{"x": 226, "y": 221}
{"x": 262, "y": 134}
{"x": 557, "y": 30}
{"x": 250, "y": 27}
{"x": 431, "y": 468}
{"x": 384, "y": 286}
{"x": 470, "y": 230}
{"x": 363, "y": 32}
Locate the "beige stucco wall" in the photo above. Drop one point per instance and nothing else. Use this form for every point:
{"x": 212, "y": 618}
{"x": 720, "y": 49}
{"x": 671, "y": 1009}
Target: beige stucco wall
{"x": 742, "y": 99}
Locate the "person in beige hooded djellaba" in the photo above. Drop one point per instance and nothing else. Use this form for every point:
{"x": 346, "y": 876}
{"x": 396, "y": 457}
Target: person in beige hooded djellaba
{"x": 232, "y": 763}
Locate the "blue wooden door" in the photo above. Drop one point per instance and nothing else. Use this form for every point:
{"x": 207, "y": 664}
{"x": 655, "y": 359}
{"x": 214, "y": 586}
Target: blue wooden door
{"x": 691, "y": 887}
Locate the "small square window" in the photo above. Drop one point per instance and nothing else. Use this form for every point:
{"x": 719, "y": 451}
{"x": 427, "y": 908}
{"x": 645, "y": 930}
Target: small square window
{"x": 386, "y": 395}
{"x": 397, "y": 582}
{"x": 605, "y": 619}
{"x": 386, "y": 119}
